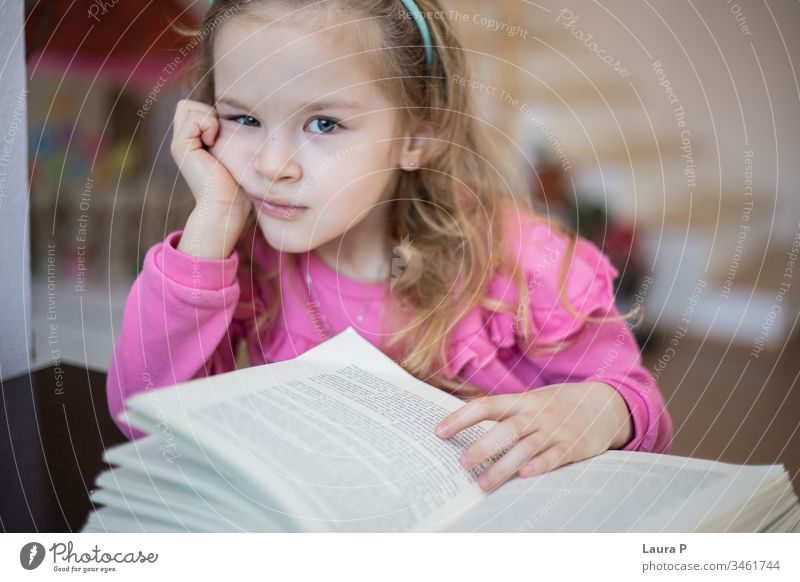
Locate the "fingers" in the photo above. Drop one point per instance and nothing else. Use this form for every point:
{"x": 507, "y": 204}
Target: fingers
{"x": 209, "y": 125}
{"x": 508, "y": 465}
{"x": 497, "y": 407}
{"x": 497, "y": 440}
{"x": 552, "y": 458}
{"x": 195, "y": 124}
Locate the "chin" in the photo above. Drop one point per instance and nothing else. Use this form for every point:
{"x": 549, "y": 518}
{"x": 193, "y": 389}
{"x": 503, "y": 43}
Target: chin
{"x": 285, "y": 239}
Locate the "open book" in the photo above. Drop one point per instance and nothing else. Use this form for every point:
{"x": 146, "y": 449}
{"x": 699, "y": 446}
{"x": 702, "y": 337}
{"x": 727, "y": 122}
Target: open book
{"x": 342, "y": 439}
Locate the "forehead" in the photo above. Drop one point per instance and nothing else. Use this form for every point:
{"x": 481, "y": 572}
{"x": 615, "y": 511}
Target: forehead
{"x": 290, "y": 62}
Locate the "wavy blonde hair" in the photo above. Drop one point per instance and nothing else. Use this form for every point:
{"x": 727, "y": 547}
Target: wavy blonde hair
{"x": 455, "y": 214}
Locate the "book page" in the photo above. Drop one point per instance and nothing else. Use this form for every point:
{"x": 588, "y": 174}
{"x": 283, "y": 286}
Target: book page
{"x": 181, "y": 486}
{"x": 342, "y": 434}
{"x": 618, "y": 491}
{"x": 359, "y": 450}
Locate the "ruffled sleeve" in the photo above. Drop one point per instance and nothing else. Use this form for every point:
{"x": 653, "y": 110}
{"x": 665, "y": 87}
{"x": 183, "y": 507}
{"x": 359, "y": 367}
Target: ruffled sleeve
{"x": 604, "y": 352}
{"x": 484, "y": 341}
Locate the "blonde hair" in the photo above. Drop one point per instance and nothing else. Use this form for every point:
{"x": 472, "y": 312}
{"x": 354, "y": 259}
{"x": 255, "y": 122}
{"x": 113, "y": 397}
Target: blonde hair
{"x": 454, "y": 218}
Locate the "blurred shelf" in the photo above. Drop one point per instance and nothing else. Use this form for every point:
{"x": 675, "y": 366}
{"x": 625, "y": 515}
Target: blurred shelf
{"x": 687, "y": 292}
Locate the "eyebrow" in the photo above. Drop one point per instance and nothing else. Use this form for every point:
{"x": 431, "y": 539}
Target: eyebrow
{"x": 335, "y": 103}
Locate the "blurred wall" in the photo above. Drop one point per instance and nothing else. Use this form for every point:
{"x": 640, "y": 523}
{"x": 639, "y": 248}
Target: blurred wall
{"x": 582, "y": 75}
{"x": 681, "y": 119}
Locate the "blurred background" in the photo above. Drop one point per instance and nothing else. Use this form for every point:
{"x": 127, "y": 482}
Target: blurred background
{"x": 666, "y": 133}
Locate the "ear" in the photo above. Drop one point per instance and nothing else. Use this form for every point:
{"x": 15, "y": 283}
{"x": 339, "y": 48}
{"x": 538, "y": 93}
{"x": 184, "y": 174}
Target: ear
{"x": 412, "y": 152}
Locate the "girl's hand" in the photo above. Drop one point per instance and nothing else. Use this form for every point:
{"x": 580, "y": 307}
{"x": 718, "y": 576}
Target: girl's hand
{"x": 541, "y": 430}
{"x": 196, "y": 126}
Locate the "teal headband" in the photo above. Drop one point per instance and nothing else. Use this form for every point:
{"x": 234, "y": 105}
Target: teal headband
{"x": 419, "y": 19}
{"x": 416, "y": 14}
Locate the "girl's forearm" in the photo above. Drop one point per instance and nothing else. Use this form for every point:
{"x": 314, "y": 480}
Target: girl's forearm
{"x": 211, "y": 234}
{"x": 177, "y": 316}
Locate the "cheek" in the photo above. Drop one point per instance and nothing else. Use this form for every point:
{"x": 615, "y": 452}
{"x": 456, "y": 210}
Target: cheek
{"x": 232, "y": 151}
{"x": 360, "y": 179}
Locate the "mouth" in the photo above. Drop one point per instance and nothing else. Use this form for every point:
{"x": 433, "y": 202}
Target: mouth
{"x": 278, "y": 208}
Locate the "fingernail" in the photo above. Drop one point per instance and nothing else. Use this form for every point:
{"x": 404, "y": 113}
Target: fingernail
{"x": 465, "y": 461}
{"x": 484, "y": 481}
{"x": 441, "y": 430}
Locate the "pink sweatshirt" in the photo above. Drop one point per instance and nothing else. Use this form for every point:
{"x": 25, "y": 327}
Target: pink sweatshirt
{"x": 180, "y": 323}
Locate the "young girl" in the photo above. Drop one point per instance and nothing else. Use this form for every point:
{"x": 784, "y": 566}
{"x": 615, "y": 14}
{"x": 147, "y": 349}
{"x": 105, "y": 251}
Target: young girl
{"x": 342, "y": 178}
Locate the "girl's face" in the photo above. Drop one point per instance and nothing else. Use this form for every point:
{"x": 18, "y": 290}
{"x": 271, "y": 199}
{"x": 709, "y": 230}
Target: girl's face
{"x": 303, "y": 123}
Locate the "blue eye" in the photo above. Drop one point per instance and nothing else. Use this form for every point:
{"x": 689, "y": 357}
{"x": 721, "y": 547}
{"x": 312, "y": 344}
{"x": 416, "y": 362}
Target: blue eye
{"x": 327, "y": 125}
{"x": 247, "y": 120}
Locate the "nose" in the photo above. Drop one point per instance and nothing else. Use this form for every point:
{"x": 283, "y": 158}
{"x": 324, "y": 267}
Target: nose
{"x": 275, "y": 160}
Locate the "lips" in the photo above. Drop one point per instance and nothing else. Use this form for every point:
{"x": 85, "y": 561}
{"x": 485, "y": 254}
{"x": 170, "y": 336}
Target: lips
{"x": 279, "y": 202}
{"x": 279, "y": 208}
